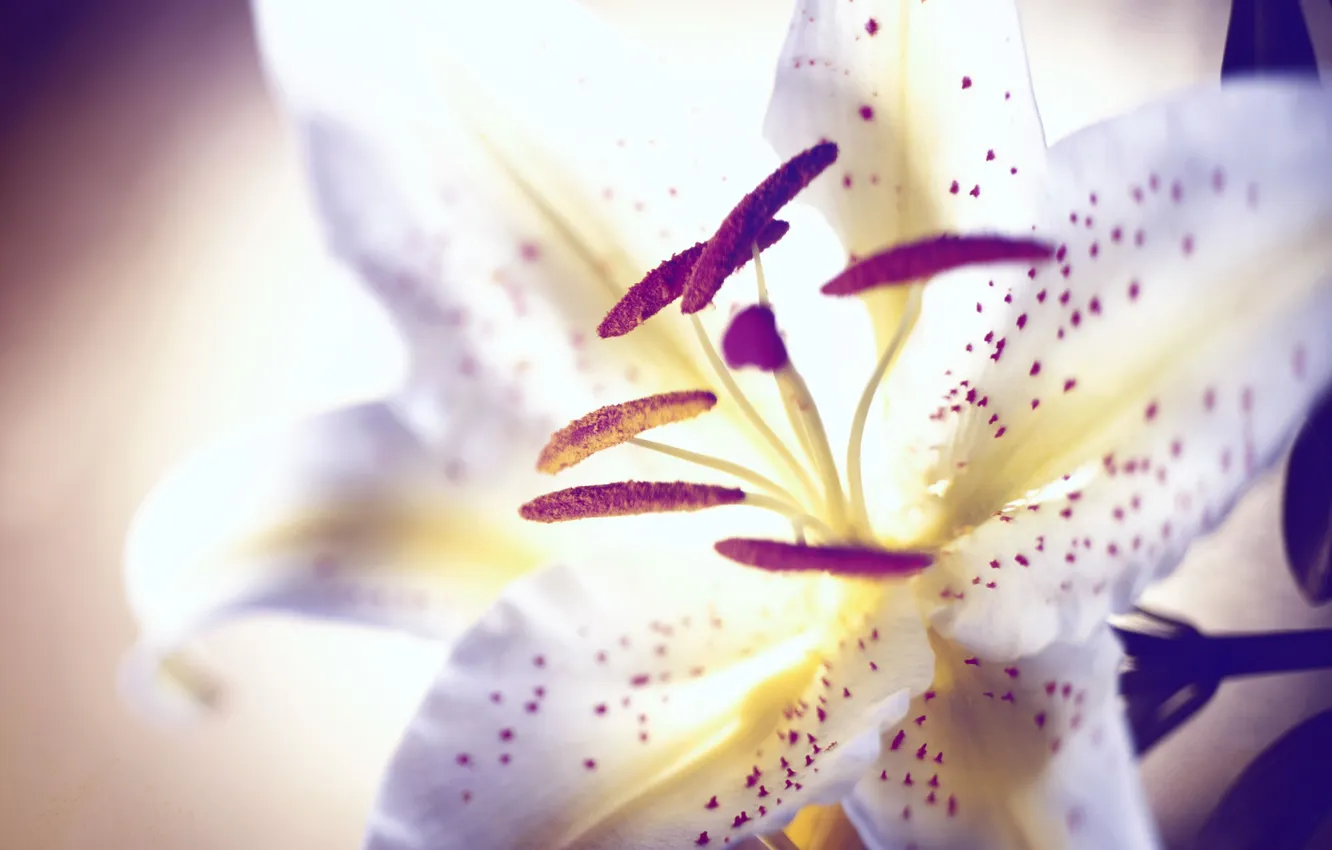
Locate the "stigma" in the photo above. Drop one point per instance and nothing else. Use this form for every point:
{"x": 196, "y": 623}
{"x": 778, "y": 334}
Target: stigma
{"x": 752, "y": 339}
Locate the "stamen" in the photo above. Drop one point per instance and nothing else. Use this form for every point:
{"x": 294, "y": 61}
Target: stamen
{"x": 617, "y": 423}
{"x": 752, "y": 340}
{"x": 666, "y": 282}
{"x": 805, "y": 418}
{"x": 798, "y": 531}
{"x": 792, "y": 513}
{"x": 747, "y": 220}
{"x": 776, "y": 556}
{"x": 925, "y": 258}
{"x": 744, "y": 473}
{"x": 759, "y": 278}
{"x": 628, "y": 498}
{"x": 854, "y": 475}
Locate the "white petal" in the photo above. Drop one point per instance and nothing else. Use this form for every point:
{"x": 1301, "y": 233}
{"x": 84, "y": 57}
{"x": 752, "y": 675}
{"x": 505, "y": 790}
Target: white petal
{"x": 931, "y": 106}
{"x": 1153, "y": 371}
{"x": 500, "y": 173}
{"x": 1032, "y": 754}
{"x": 1072, "y": 556}
{"x": 345, "y": 516}
{"x": 611, "y": 705}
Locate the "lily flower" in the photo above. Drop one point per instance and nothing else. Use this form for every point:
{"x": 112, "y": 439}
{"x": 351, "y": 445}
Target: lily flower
{"x": 1088, "y": 352}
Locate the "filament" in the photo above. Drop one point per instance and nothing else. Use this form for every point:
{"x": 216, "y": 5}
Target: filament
{"x": 855, "y": 481}
{"x": 739, "y": 471}
{"x": 801, "y": 405}
{"x": 758, "y": 274}
{"x": 724, "y": 375}
{"x": 804, "y": 419}
{"x": 791, "y": 512}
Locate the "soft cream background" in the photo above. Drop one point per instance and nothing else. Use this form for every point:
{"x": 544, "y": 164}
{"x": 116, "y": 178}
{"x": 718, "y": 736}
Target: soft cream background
{"x": 162, "y": 283}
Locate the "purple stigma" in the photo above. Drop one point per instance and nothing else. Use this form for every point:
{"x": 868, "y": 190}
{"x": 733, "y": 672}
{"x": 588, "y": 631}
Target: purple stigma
{"x": 752, "y": 340}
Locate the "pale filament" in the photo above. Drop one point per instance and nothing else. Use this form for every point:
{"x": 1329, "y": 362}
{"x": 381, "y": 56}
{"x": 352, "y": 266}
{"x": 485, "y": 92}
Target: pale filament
{"x": 744, "y": 473}
{"x": 798, "y": 531}
{"x": 855, "y": 480}
{"x": 758, "y": 274}
{"x": 792, "y": 415}
{"x": 788, "y": 403}
{"x": 797, "y": 423}
{"x": 724, "y": 375}
{"x": 808, "y": 427}
{"x": 805, "y": 421}
{"x": 820, "y": 453}
{"x": 791, "y": 512}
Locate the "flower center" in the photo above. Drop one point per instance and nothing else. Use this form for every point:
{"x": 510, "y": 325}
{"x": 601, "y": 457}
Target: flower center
{"x": 831, "y": 527}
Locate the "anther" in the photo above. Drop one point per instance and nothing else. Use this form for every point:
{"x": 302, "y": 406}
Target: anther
{"x": 914, "y": 261}
{"x": 666, "y": 282}
{"x": 744, "y": 223}
{"x": 628, "y": 498}
{"x": 776, "y": 556}
{"x": 752, "y": 340}
{"x": 618, "y": 423}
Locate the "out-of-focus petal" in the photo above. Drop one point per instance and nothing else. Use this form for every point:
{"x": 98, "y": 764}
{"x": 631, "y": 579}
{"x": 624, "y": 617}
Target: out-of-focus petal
{"x": 500, "y": 173}
{"x": 344, "y": 516}
{"x": 1001, "y": 756}
{"x": 651, "y": 704}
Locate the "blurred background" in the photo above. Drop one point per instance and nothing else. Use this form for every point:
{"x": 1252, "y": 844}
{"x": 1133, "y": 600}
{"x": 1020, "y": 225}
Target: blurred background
{"x": 162, "y": 282}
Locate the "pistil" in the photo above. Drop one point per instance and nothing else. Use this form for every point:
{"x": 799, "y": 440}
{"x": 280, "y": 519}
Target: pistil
{"x": 752, "y": 340}
{"x": 746, "y": 408}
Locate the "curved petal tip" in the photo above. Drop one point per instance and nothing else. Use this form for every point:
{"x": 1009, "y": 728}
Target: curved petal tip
{"x": 168, "y": 688}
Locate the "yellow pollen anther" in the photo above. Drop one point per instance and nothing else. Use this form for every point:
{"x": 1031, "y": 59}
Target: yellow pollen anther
{"x": 854, "y": 474}
{"x": 628, "y": 498}
{"x": 618, "y": 423}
